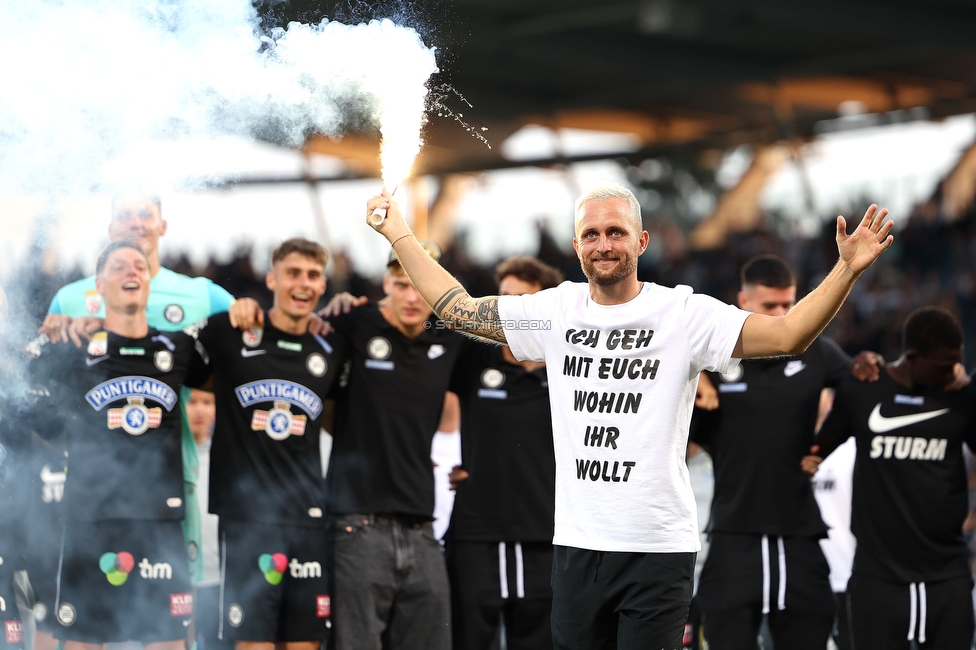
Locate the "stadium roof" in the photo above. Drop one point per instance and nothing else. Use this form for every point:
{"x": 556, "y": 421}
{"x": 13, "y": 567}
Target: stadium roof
{"x": 691, "y": 75}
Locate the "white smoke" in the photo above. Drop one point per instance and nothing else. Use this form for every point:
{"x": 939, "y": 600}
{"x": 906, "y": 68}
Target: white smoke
{"x": 89, "y": 81}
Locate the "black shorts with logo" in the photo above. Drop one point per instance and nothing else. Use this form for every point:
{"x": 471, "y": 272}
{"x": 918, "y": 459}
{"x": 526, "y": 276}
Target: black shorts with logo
{"x": 275, "y": 582}
{"x": 123, "y": 580}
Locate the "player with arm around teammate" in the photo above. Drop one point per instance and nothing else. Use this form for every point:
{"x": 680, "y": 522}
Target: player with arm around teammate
{"x": 175, "y": 301}
{"x": 123, "y": 573}
{"x": 266, "y": 480}
{"x": 629, "y": 355}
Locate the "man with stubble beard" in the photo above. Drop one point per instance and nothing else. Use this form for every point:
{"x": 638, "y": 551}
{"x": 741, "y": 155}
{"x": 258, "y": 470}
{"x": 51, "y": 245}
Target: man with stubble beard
{"x": 625, "y": 357}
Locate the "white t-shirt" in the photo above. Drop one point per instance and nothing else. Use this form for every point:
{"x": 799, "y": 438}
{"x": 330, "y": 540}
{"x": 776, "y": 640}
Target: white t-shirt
{"x": 833, "y": 487}
{"x": 622, "y": 381}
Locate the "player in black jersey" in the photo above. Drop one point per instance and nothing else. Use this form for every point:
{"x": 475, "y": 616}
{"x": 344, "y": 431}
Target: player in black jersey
{"x": 499, "y": 548}
{"x": 265, "y": 470}
{"x": 391, "y": 587}
{"x": 910, "y": 580}
{"x": 765, "y": 558}
{"x": 15, "y": 443}
{"x": 124, "y": 571}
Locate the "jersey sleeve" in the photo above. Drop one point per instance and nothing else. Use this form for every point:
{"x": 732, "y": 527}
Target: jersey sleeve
{"x": 55, "y": 307}
{"x": 220, "y": 298}
{"x": 523, "y": 319}
{"x": 205, "y": 337}
{"x": 838, "y": 426}
{"x": 199, "y": 370}
{"x": 837, "y": 363}
{"x": 43, "y": 412}
{"x": 713, "y": 328}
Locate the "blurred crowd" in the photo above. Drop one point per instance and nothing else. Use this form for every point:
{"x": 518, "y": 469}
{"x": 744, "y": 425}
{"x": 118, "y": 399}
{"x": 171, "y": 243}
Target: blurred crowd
{"x": 928, "y": 265}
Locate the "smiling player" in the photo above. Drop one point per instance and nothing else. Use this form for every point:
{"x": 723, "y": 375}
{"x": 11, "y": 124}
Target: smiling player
{"x": 265, "y": 470}
{"x": 124, "y": 573}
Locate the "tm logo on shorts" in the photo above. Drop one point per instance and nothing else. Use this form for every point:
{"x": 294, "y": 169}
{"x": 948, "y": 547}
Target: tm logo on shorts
{"x": 273, "y": 566}
{"x": 118, "y": 566}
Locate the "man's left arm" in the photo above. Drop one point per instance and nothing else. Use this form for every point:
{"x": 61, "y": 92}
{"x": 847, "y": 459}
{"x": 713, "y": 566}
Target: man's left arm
{"x": 768, "y": 336}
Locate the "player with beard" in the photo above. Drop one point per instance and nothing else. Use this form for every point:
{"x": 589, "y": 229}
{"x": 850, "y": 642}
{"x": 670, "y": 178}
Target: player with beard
{"x": 123, "y": 572}
{"x": 910, "y": 581}
{"x": 499, "y": 547}
{"x": 265, "y": 477}
{"x": 765, "y": 557}
{"x": 626, "y": 356}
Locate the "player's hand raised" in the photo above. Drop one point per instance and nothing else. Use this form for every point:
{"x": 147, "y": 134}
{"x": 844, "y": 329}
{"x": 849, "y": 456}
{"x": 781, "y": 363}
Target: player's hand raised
{"x": 871, "y": 238}
{"x": 393, "y": 226}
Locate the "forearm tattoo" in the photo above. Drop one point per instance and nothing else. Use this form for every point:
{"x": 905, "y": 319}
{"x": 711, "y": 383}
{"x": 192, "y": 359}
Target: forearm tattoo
{"x": 474, "y": 316}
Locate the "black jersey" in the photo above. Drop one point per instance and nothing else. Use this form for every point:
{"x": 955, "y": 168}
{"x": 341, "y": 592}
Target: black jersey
{"x": 506, "y": 447}
{"x": 269, "y": 388}
{"x": 910, "y": 494}
{"x": 118, "y": 402}
{"x": 762, "y": 429}
{"x": 387, "y": 410}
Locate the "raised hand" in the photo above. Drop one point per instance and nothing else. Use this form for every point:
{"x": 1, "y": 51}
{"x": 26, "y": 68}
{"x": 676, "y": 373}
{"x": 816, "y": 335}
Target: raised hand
{"x": 393, "y": 226}
{"x": 871, "y": 238}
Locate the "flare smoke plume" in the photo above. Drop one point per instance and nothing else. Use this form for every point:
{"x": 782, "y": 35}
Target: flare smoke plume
{"x": 87, "y": 81}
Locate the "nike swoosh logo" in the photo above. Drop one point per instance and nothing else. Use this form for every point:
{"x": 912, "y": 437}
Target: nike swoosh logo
{"x": 92, "y": 362}
{"x": 793, "y": 368}
{"x": 880, "y": 424}
{"x": 251, "y": 353}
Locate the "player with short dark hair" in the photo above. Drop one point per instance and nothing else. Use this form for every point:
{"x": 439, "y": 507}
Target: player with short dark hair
{"x": 175, "y": 301}
{"x": 499, "y": 546}
{"x": 528, "y": 270}
{"x": 123, "y": 573}
{"x": 765, "y": 557}
{"x": 266, "y": 480}
{"x": 910, "y": 581}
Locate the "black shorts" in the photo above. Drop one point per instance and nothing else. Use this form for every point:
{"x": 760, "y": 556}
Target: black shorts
{"x": 740, "y": 574}
{"x": 42, "y": 569}
{"x": 619, "y": 600}
{"x": 892, "y": 615}
{"x": 275, "y": 582}
{"x": 123, "y": 580}
{"x": 12, "y": 635}
{"x": 489, "y": 579}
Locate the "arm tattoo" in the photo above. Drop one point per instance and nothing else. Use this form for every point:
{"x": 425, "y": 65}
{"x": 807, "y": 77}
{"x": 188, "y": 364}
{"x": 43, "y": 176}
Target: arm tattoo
{"x": 477, "y": 317}
{"x": 444, "y": 300}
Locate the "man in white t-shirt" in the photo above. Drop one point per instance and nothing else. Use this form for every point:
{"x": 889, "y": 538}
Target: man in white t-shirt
{"x": 625, "y": 357}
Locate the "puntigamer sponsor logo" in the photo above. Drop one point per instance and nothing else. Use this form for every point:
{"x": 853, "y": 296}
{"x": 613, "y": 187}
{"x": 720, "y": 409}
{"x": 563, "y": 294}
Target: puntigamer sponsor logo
{"x": 274, "y": 390}
{"x": 123, "y": 387}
